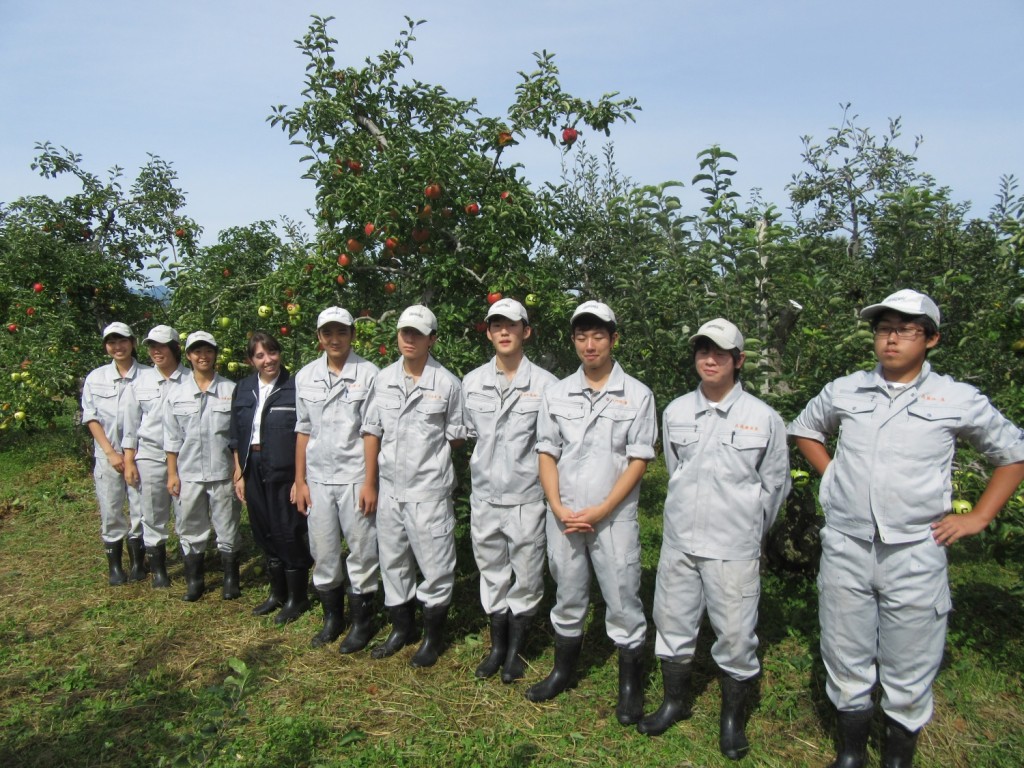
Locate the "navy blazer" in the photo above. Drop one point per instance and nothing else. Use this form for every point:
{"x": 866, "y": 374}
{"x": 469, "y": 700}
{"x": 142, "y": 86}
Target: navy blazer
{"x": 277, "y": 428}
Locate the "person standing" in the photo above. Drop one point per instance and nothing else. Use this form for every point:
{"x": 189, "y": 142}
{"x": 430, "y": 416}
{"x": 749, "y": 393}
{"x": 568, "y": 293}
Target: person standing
{"x": 595, "y": 435}
{"x": 415, "y": 419}
{"x": 103, "y": 396}
{"x": 728, "y": 467}
{"x": 145, "y": 461}
{"x": 200, "y": 464}
{"x": 883, "y": 590}
{"x": 336, "y": 480}
{"x": 263, "y": 442}
{"x": 503, "y": 399}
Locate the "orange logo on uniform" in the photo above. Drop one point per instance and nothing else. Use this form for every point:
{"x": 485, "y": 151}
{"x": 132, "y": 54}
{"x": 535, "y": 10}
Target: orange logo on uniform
{"x": 748, "y": 427}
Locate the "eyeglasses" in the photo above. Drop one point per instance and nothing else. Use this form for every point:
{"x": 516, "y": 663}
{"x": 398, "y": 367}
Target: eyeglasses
{"x": 905, "y": 332}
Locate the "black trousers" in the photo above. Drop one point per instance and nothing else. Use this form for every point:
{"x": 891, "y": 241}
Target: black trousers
{"x": 277, "y": 525}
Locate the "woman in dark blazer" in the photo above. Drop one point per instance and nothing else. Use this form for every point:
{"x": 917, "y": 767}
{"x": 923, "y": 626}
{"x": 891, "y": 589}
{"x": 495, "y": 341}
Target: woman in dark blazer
{"x": 263, "y": 440}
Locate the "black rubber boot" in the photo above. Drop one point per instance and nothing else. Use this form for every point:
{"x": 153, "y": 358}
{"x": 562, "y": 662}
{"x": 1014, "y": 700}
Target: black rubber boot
{"x": 297, "y": 604}
{"x": 853, "y": 728}
{"x": 158, "y": 565}
{"x": 675, "y": 676}
{"x": 900, "y": 744}
{"x": 278, "y": 588}
{"x": 518, "y": 631}
{"x": 361, "y": 610}
{"x": 403, "y": 630}
{"x": 434, "y": 620}
{"x": 230, "y": 589}
{"x": 136, "y": 559}
{"x": 195, "y": 576}
{"x": 732, "y": 740}
{"x": 630, "y": 708}
{"x": 567, "y": 653}
{"x": 333, "y": 601}
{"x": 499, "y": 646}
{"x": 116, "y": 575}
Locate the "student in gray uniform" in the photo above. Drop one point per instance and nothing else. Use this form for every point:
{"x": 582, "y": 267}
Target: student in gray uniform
{"x": 595, "y": 436}
{"x": 197, "y": 433}
{"x": 415, "y": 417}
{"x": 728, "y": 467}
{"x": 883, "y": 592}
{"x": 336, "y": 479}
{"x": 103, "y": 398}
{"x": 508, "y": 512}
{"x": 145, "y": 461}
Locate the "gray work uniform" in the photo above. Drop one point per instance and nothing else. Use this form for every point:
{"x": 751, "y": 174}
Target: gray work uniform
{"x": 144, "y": 433}
{"x": 728, "y": 467}
{"x": 415, "y": 514}
{"x": 593, "y": 436}
{"x": 197, "y": 427}
{"x": 330, "y": 409}
{"x": 103, "y": 396}
{"x": 883, "y": 588}
{"x": 507, "y": 501}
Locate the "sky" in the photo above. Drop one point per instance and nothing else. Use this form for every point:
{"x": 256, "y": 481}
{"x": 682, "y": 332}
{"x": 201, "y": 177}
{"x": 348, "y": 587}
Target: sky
{"x": 193, "y": 81}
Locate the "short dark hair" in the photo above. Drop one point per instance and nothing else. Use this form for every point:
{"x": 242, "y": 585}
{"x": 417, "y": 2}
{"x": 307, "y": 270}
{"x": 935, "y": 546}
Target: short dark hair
{"x": 175, "y": 347}
{"x": 587, "y": 322}
{"x": 262, "y": 337}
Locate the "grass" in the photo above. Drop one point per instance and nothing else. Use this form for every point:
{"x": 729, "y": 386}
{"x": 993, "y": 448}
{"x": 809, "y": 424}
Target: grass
{"x": 130, "y": 676}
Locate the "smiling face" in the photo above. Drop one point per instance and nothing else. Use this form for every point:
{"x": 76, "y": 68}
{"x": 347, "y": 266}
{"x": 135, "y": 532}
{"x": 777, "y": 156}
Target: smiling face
{"x": 717, "y": 367}
{"x": 507, "y": 336}
{"x": 203, "y": 358}
{"x": 267, "y": 362}
{"x": 901, "y": 358}
{"x": 336, "y": 340}
{"x": 594, "y": 349}
{"x": 120, "y": 349}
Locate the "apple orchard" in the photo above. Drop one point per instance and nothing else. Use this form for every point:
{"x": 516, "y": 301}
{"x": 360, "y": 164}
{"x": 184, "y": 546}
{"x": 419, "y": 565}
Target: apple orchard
{"x": 422, "y": 198}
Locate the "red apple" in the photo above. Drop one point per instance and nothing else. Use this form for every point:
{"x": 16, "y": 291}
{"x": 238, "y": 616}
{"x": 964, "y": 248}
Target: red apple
{"x": 472, "y": 209}
{"x": 285, "y": 330}
{"x": 424, "y": 212}
{"x": 383, "y": 350}
{"x": 433, "y": 191}
{"x": 353, "y": 245}
{"x": 505, "y": 195}
{"x": 355, "y": 166}
{"x": 504, "y": 137}
{"x": 30, "y": 311}
{"x": 389, "y": 287}
{"x": 569, "y": 136}
{"x": 226, "y": 273}
{"x": 37, "y": 287}
{"x": 481, "y": 327}
{"x": 391, "y": 243}
{"x": 179, "y": 232}
{"x": 493, "y": 296}
{"x": 344, "y": 260}
{"x": 369, "y": 229}
{"x": 420, "y": 235}
{"x": 12, "y": 328}
{"x": 341, "y": 279}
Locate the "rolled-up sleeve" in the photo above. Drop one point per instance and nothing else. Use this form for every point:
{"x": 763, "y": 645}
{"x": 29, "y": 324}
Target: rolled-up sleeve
{"x": 371, "y": 416}
{"x": 991, "y": 433}
{"x": 132, "y": 419}
{"x": 455, "y": 421}
{"x": 172, "y": 435}
{"x": 818, "y": 419}
{"x": 549, "y": 437}
{"x": 643, "y": 432}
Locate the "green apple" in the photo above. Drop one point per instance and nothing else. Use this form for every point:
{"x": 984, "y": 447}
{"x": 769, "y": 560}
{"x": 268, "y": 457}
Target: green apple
{"x": 532, "y": 299}
{"x": 962, "y": 506}
{"x": 233, "y": 366}
{"x": 225, "y": 322}
{"x": 800, "y": 478}
{"x": 225, "y": 351}
{"x": 19, "y": 415}
{"x": 264, "y": 311}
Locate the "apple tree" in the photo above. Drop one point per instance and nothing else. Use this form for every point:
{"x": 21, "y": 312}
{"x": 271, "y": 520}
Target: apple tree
{"x": 70, "y": 266}
{"x": 420, "y": 197}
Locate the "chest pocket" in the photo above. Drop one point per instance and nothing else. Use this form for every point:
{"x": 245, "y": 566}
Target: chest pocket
{"x": 564, "y": 410}
{"x": 933, "y": 428}
{"x": 185, "y": 409}
{"x": 856, "y": 423}
{"x": 614, "y": 413}
{"x": 432, "y": 409}
{"x": 744, "y": 442}
{"x": 684, "y": 439}
{"x": 312, "y": 395}
{"x": 104, "y": 391}
{"x": 147, "y": 395}
{"x": 480, "y": 403}
{"x": 527, "y": 405}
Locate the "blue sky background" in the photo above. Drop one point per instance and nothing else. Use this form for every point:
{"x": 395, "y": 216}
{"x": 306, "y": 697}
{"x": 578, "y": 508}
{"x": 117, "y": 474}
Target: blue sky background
{"x": 193, "y": 82}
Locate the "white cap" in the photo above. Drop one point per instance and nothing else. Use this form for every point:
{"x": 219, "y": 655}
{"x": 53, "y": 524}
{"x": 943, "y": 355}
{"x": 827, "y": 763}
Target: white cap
{"x": 334, "y": 315}
{"x": 907, "y": 302}
{"x": 419, "y": 317}
{"x": 119, "y": 329}
{"x": 722, "y": 332}
{"x": 597, "y": 309}
{"x": 199, "y": 337}
{"x": 509, "y": 308}
{"x": 162, "y": 334}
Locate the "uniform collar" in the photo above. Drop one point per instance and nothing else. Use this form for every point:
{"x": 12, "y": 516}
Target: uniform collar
{"x": 322, "y": 373}
{"x": 522, "y": 378}
{"x": 616, "y": 380}
{"x": 723, "y": 406}
{"x": 878, "y": 381}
